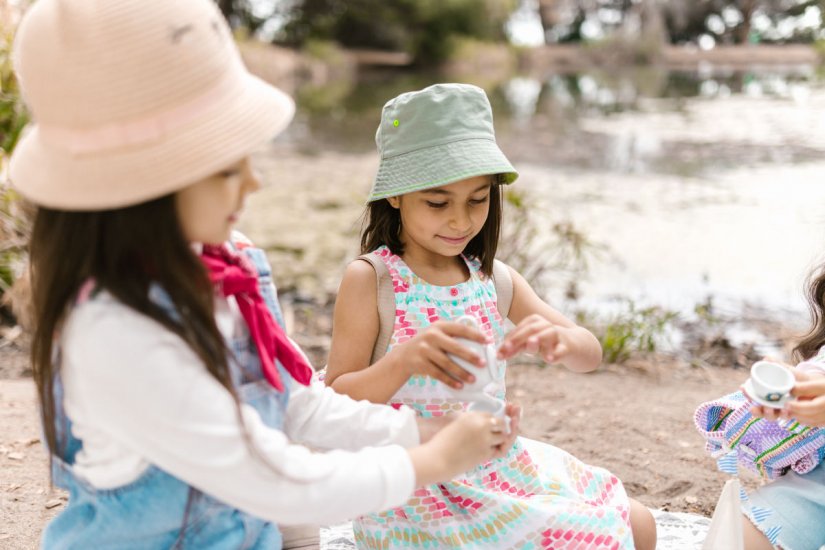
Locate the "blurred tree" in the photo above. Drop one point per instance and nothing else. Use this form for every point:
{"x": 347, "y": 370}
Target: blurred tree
{"x": 249, "y": 15}
{"x": 684, "y": 20}
{"x": 422, "y": 28}
{"x": 14, "y": 223}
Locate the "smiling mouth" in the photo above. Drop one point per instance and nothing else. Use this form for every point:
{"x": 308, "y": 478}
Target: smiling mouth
{"x": 457, "y": 240}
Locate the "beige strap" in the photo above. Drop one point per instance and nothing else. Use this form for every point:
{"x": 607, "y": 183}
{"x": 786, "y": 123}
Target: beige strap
{"x": 386, "y": 305}
{"x": 504, "y": 287}
{"x": 386, "y": 299}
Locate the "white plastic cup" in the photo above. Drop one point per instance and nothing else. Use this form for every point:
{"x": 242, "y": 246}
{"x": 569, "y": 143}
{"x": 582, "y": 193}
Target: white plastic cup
{"x": 489, "y": 404}
{"x": 490, "y": 372}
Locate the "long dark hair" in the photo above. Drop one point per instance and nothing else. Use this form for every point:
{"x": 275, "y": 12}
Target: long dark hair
{"x": 815, "y": 338}
{"x": 124, "y": 251}
{"x": 382, "y": 226}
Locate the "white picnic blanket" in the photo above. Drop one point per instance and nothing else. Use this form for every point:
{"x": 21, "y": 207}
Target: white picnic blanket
{"x": 675, "y": 530}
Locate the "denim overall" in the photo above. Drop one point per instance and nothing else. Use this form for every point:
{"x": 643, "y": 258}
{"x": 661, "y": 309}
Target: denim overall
{"x": 149, "y": 512}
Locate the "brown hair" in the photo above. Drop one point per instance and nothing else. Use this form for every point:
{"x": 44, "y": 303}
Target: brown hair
{"x": 815, "y": 339}
{"x": 125, "y": 251}
{"x": 382, "y": 226}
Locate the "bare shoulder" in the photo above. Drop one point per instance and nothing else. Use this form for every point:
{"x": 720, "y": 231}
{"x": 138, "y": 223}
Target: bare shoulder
{"x": 359, "y": 275}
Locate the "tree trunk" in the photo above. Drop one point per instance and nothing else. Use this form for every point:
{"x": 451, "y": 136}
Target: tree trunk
{"x": 743, "y": 30}
{"x": 653, "y": 23}
{"x": 549, "y": 15}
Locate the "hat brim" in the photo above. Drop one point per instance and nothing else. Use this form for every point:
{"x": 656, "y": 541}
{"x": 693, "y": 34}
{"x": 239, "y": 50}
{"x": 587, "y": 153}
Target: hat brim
{"x": 439, "y": 165}
{"x": 225, "y": 133}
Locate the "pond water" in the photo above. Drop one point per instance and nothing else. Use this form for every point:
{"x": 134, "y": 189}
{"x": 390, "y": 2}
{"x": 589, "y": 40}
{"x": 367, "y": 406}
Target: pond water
{"x": 696, "y": 184}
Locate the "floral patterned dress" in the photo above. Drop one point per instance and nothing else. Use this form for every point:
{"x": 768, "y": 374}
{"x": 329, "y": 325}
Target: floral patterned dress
{"x": 538, "y": 496}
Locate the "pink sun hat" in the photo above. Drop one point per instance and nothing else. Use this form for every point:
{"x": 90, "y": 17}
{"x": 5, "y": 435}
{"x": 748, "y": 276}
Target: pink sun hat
{"x": 133, "y": 100}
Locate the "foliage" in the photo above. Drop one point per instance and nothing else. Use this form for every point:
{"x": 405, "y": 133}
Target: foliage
{"x": 13, "y": 116}
{"x": 634, "y": 331}
{"x": 728, "y": 21}
{"x": 422, "y": 28}
{"x": 567, "y": 253}
{"x": 526, "y": 244}
{"x": 14, "y": 223}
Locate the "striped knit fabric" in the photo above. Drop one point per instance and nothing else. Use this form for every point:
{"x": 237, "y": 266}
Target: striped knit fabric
{"x": 763, "y": 446}
{"x": 537, "y": 498}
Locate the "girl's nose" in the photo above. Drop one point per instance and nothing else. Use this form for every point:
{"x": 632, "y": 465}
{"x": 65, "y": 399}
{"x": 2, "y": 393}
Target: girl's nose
{"x": 461, "y": 220}
{"x": 251, "y": 178}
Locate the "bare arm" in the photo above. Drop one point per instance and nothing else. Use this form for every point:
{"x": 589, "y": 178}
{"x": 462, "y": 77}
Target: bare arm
{"x": 355, "y": 329}
{"x": 542, "y": 329}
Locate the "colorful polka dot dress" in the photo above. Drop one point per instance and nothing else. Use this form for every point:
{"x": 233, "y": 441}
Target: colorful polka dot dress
{"x": 538, "y": 496}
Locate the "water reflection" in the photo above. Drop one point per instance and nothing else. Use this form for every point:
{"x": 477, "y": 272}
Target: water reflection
{"x": 700, "y": 183}
{"x": 557, "y": 120}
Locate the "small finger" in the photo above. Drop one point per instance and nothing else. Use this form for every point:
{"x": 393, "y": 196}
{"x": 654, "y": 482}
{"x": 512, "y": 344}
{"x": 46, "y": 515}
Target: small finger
{"x": 444, "y": 378}
{"x": 450, "y": 345}
{"x": 810, "y": 388}
{"x": 517, "y": 337}
{"x": 555, "y": 353}
{"x": 460, "y": 330}
{"x": 757, "y": 410}
{"x": 807, "y": 407}
{"x": 532, "y": 345}
{"x": 444, "y": 367}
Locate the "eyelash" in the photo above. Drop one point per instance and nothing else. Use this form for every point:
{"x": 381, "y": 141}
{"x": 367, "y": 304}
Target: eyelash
{"x": 473, "y": 202}
{"x": 226, "y": 174}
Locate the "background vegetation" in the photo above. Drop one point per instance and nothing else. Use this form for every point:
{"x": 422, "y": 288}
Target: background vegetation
{"x": 425, "y": 28}
{"x": 13, "y": 117}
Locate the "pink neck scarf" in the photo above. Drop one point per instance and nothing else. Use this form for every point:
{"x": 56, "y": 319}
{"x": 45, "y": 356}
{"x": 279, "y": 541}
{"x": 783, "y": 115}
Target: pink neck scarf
{"x": 232, "y": 277}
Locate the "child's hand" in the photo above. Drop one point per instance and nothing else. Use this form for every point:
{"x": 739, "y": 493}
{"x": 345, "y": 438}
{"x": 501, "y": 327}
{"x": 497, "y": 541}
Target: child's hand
{"x": 471, "y": 439}
{"x": 513, "y": 411}
{"x": 428, "y": 427}
{"x": 809, "y": 406}
{"x": 426, "y": 353}
{"x": 770, "y": 413}
{"x": 536, "y": 335}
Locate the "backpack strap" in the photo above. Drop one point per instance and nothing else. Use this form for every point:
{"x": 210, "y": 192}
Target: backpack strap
{"x": 504, "y": 288}
{"x": 386, "y": 299}
{"x": 386, "y": 305}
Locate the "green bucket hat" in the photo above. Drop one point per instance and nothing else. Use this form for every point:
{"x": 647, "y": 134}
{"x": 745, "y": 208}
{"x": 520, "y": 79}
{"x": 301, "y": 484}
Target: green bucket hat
{"x": 436, "y": 136}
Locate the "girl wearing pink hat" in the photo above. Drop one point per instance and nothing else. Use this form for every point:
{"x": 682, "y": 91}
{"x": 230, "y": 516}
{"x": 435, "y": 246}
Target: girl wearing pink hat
{"x": 174, "y": 406}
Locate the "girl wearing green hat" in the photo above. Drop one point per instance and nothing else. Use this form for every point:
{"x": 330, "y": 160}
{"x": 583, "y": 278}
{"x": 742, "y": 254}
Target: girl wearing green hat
{"x": 432, "y": 228}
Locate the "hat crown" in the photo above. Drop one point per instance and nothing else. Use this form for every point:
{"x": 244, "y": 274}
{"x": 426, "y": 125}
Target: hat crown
{"x": 118, "y": 60}
{"x": 438, "y": 114}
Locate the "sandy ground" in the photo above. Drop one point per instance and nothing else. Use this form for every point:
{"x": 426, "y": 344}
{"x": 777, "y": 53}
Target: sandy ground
{"x": 636, "y": 422}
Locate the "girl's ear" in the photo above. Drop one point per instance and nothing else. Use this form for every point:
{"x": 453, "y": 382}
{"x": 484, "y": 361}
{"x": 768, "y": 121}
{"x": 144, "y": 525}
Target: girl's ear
{"x": 395, "y": 202}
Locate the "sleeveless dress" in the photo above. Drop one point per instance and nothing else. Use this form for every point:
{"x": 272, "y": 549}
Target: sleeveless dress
{"x": 538, "y": 496}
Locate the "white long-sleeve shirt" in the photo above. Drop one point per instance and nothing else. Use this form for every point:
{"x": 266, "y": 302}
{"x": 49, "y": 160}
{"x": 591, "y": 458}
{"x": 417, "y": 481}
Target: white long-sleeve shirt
{"x": 138, "y": 395}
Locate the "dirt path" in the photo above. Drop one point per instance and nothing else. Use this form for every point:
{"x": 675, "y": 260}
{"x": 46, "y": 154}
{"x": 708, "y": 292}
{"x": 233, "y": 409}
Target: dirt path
{"x": 636, "y": 423}
{"x": 26, "y": 502}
